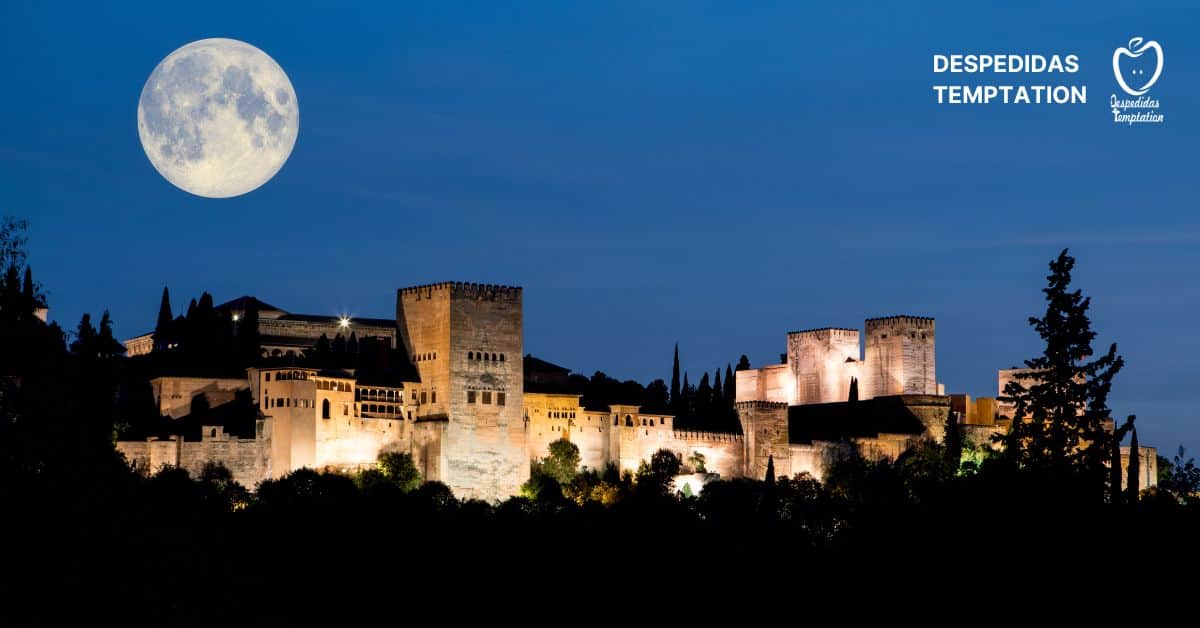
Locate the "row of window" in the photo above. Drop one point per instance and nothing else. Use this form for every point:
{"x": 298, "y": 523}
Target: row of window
{"x": 425, "y": 357}
{"x": 481, "y": 356}
{"x": 286, "y": 375}
{"x": 381, "y": 394}
{"x": 324, "y": 384}
{"x": 380, "y": 408}
{"x": 486, "y": 396}
{"x": 284, "y": 402}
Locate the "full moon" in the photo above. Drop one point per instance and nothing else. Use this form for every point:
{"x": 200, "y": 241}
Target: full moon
{"x": 218, "y": 118}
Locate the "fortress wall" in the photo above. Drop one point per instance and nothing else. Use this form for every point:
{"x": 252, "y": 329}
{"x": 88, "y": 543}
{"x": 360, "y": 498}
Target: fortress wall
{"x": 774, "y": 383}
{"x": 900, "y": 356}
{"x": 174, "y": 394}
{"x": 765, "y": 430}
{"x": 447, "y": 328}
{"x": 247, "y": 459}
{"x": 818, "y": 361}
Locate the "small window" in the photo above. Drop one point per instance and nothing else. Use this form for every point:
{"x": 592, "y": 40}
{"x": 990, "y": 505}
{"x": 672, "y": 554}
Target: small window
{"x": 470, "y": 355}
{"x": 325, "y": 409}
{"x": 470, "y": 396}
{"x": 346, "y": 411}
{"x": 268, "y": 377}
{"x": 433, "y": 396}
{"x": 213, "y": 433}
{"x": 499, "y": 398}
{"x": 501, "y": 357}
{"x": 424, "y": 397}
{"x": 494, "y": 358}
{"x": 487, "y": 397}
{"x": 485, "y": 357}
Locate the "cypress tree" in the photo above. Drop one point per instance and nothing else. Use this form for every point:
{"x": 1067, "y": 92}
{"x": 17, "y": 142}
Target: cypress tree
{"x": 743, "y": 363}
{"x": 770, "y": 500}
{"x": 1114, "y": 463}
{"x": 703, "y": 403}
{"x": 686, "y": 398}
{"x": 675, "y": 399}
{"x": 28, "y": 291}
{"x": 953, "y": 444}
{"x": 165, "y": 318}
{"x": 853, "y": 390}
{"x": 1133, "y": 481}
{"x": 106, "y": 344}
{"x": 730, "y": 390}
{"x": 718, "y": 392}
{"x": 85, "y": 338}
{"x": 322, "y": 350}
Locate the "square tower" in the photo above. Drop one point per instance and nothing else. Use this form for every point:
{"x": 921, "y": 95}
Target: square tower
{"x": 822, "y": 362}
{"x": 466, "y": 343}
{"x": 900, "y": 356}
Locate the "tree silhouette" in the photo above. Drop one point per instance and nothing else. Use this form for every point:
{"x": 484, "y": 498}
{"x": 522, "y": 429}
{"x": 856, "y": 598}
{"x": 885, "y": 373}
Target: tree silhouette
{"x": 1133, "y": 482}
{"x": 676, "y": 405}
{"x": 166, "y": 321}
{"x": 1060, "y": 402}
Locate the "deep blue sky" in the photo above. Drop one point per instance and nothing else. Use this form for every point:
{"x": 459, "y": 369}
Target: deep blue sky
{"x": 709, "y": 173}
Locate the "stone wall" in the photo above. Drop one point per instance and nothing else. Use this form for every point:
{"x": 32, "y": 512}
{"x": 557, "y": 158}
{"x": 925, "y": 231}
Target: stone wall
{"x": 774, "y": 383}
{"x": 174, "y": 395}
{"x": 822, "y": 361}
{"x": 900, "y": 356}
{"x": 249, "y": 460}
{"x": 765, "y": 433}
{"x": 466, "y": 341}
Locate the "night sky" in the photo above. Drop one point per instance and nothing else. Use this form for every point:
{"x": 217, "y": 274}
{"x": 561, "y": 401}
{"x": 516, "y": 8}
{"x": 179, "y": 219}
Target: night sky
{"x": 709, "y": 173}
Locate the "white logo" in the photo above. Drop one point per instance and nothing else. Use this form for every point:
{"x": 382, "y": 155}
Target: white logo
{"x": 1137, "y": 49}
{"x": 1141, "y": 109}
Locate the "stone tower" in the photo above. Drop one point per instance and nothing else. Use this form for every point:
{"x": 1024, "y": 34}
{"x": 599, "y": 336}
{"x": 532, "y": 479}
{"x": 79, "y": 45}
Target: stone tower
{"x": 466, "y": 342}
{"x": 900, "y": 356}
{"x": 822, "y": 361}
{"x": 765, "y": 430}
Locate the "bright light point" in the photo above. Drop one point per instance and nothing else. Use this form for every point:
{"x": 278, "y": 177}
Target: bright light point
{"x": 235, "y": 318}
{"x": 343, "y": 322}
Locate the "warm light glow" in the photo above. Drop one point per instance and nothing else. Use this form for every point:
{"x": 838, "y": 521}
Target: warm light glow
{"x": 235, "y": 318}
{"x": 344, "y": 322}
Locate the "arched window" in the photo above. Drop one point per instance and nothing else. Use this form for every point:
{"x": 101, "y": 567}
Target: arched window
{"x": 268, "y": 377}
{"x": 470, "y": 355}
{"x": 494, "y": 357}
{"x": 325, "y": 409}
{"x": 485, "y": 357}
{"x": 213, "y": 433}
{"x": 501, "y": 357}
{"x": 628, "y": 421}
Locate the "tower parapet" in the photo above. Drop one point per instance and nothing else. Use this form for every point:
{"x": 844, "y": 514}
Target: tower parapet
{"x": 900, "y": 356}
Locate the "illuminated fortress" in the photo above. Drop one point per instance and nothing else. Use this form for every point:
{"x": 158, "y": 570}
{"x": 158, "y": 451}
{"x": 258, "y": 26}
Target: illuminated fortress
{"x": 470, "y": 415}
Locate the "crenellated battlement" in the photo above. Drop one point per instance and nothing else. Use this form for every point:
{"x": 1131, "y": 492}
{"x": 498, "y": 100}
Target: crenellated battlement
{"x": 824, "y": 332}
{"x": 698, "y": 435}
{"x": 462, "y": 289}
{"x": 901, "y": 320}
{"x": 761, "y": 405}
